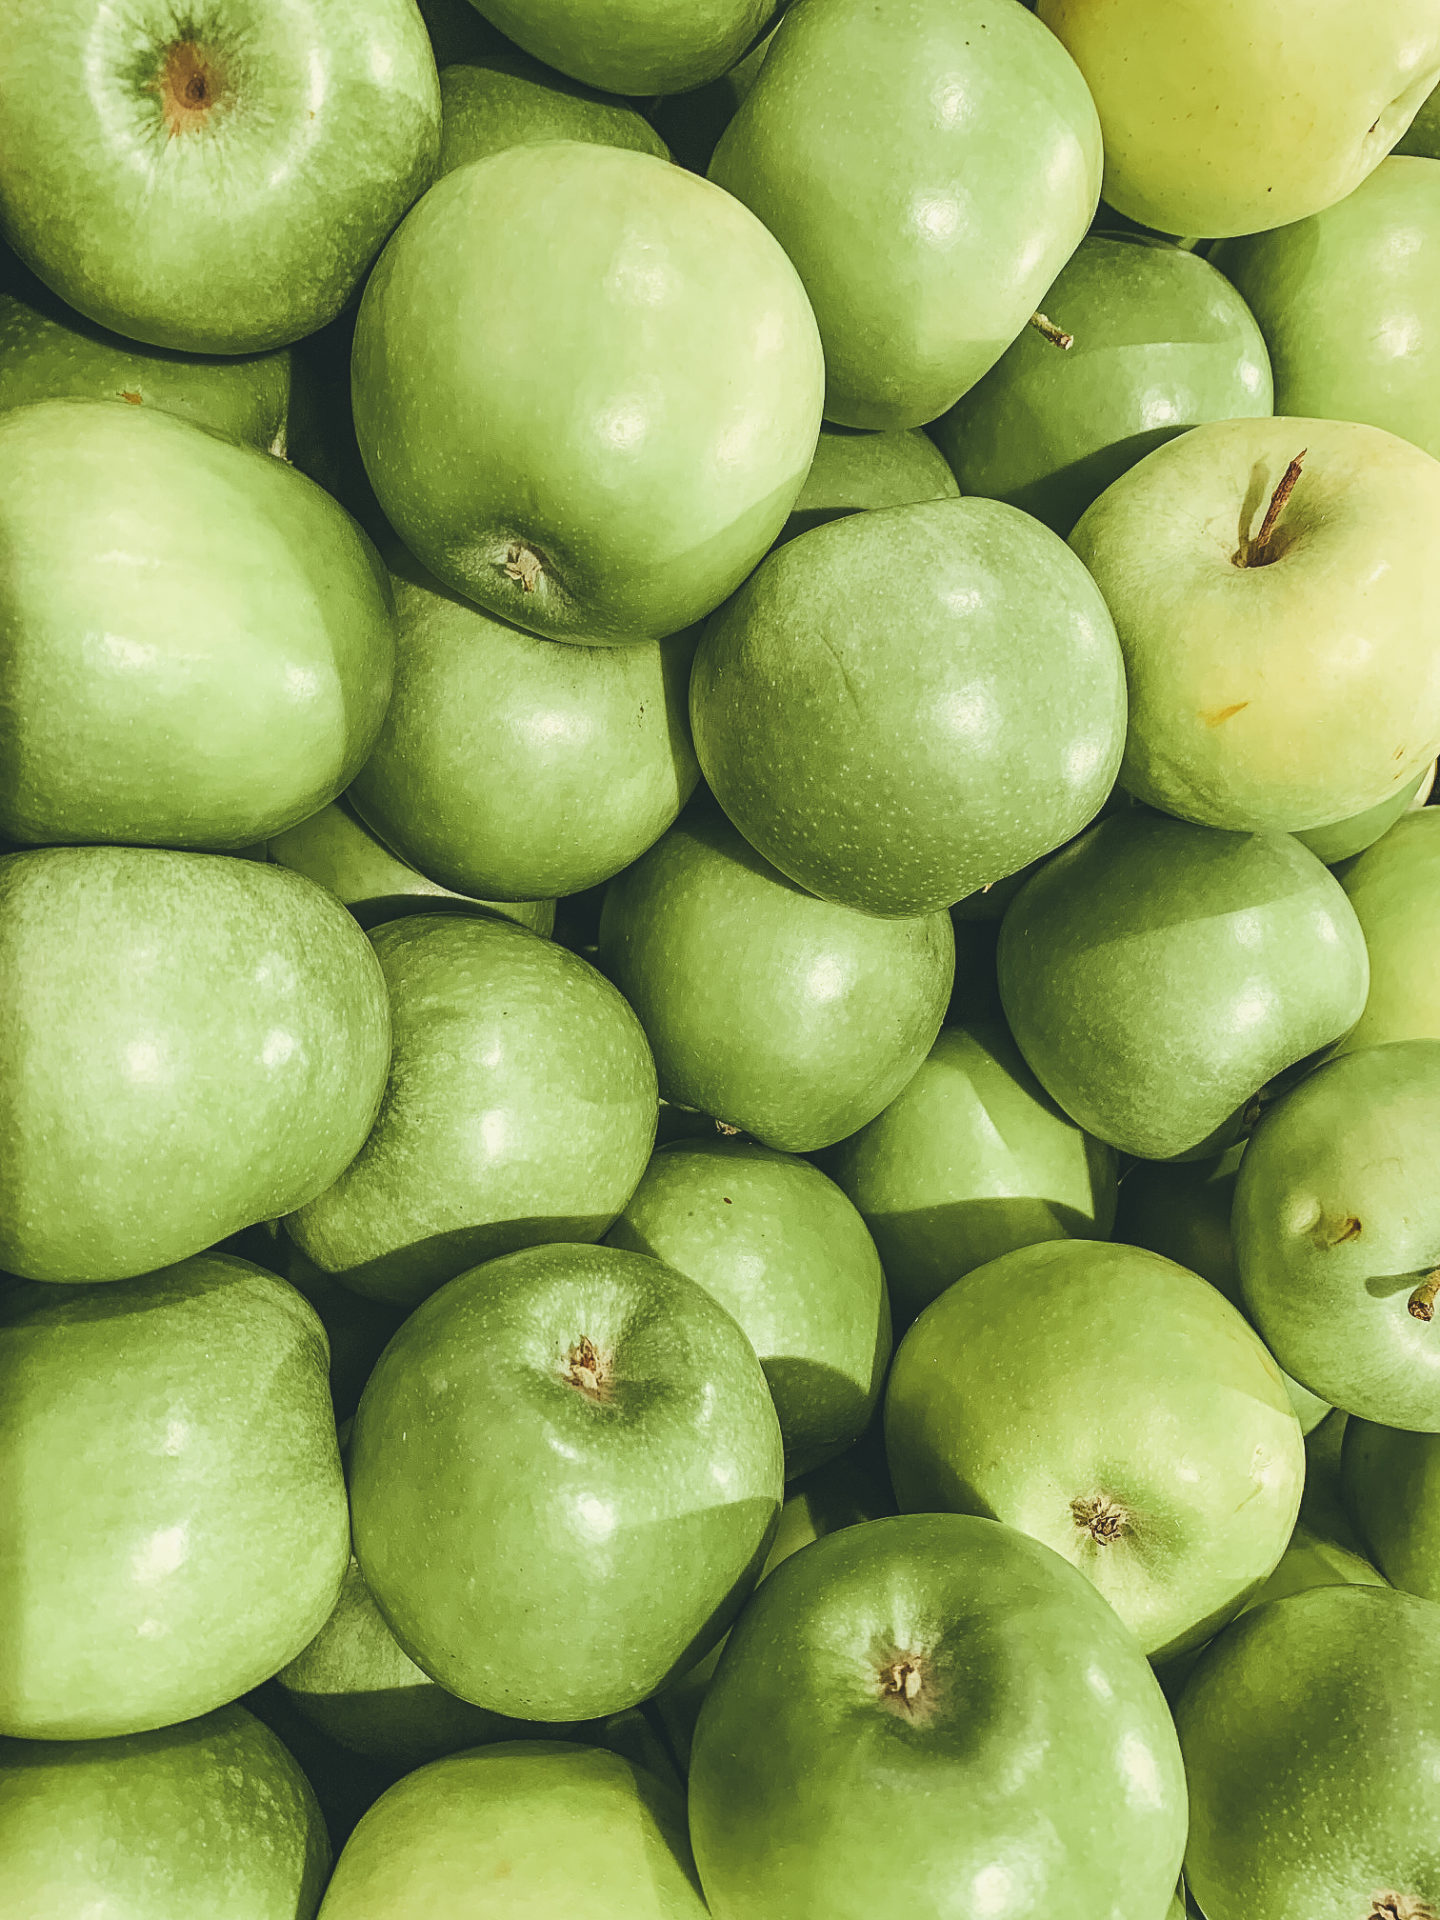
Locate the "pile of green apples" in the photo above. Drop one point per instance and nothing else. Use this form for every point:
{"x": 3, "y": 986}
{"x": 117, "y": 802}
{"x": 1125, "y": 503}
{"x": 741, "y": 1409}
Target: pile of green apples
{"x": 719, "y": 960}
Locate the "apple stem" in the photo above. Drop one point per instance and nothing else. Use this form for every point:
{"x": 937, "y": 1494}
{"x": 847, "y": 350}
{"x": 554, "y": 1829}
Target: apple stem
{"x": 1422, "y": 1301}
{"x": 1254, "y": 554}
{"x": 525, "y": 565}
{"x": 1047, "y": 328}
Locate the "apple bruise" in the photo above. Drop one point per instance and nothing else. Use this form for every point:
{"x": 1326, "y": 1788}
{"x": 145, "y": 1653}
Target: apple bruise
{"x": 1104, "y": 1519}
{"x": 587, "y": 1370}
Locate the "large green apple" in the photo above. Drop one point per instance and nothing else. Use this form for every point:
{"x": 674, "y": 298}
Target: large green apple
{"x": 48, "y": 352}
{"x": 509, "y": 100}
{"x": 1116, "y": 1407}
{"x": 565, "y": 1472}
{"x": 1344, "y": 300}
{"x": 212, "y": 1818}
{"x": 520, "y": 1109}
{"x": 855, "y": 472}
{"x": 934, "y": 1715}
{"x": 337, "y": 851}
{"x": 905, "y": 705}
{"x": 1394, "y": 888}
{"x": 929, "y": 172}
{"x": 780, "y": 1014}
{"x": 174, "y": 1527}
{"x": 1158, "y": 342}
{"x": 220, "y": 180}
{"x": 594, "y": 418}
{"x": 521, "y": 1832}
{"x": 197, "y": 643}
{"x": 1343, "y": 839}
{"x": 1337, "y": 1233}
{"x": 1230, "y": 116}
{"x": 192, "y": 1044}
{"x": 969, "y": 1161}
{"x": 1282, "y": 682}
{"x": 1392, "y": 1490}
{"x": 783, "y": 1251}
{"x": 1156, "y": 974}
{"x": 510, "y": 767}
{"x": 1308, "y": 1731}
{"x": 634, "y": 46}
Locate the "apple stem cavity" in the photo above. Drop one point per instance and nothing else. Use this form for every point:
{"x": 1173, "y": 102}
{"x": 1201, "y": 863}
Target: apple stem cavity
{"x": 1048, "y": 330}
{"x": 585, "y": 1368}
{"x": 524, "y": 564}
{"x": 1101, "y": 1517}
{"x": 902, "y": 1680}
{"x": 189, "y": 86}
{"x": 1399, "y": 1906}
{"x": 1422, "y": 1301}
{"x": 1256, "y": 552}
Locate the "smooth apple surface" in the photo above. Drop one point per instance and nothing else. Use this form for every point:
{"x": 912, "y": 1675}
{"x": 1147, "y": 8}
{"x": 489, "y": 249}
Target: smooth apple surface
{"x": 176, "y": 1526}
{"x": 510, "y": 767}
{"x": 784, "y": 1252}
{"x": 1284, "y": 684}
{"x": 521, "y": 1833}
{"x": 634, "y": 46}
{"x": 213, "y": 1817}
{"x": 855, "y": 472}
{"x": 929, "y": 173}
{"x": 599, "y": 442}
{"x": 520, "y": 1108}
{"x": 1308, "y": 1731}
{"x": 1394, "y": 888}
{"x": 971, "y": 1160}
{"x": 1337, "y": 1233}
{"x": 216, "y": 182}
{"x": 1343, "y": 839}
{"x": 1232, "y": 116}
{"x": 933, "y": 1712}
{"x": 197, "y": 643}
{"x": 509, "y": 100}
{"x": 785, "y": 1016}
{"x": 194, "y": 1044}
{"x": 1159, "y": 341}
{"x": 565, "y": 1473}
{"x": 1068, "y": 1389}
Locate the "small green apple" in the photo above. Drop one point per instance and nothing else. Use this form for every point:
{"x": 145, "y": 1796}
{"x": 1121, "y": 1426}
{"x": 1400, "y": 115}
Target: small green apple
{"x": 929, "y": 173}
{"x": 1394, "y": 888}
{"x": 213, "y": 1818}
{"x": 785, "y": 1016}
{"x": 509, "y": 100}
{"x": 1275, "y": 586}
{"x": 969, "y": 1161}
{"x": 933, "y": 1714}
{"x": 565, "y": 1473}
{"x": 520, "y": 1109}
{"x": 1391, "y": 1486}
{"x": 634, "y": 46}
{"x": 601, "y": 440}
{"x": 855, "y": 472}
{"x": 784, "y": 1252}
{"x": 193, "y": 1044}
{"x": 175, "y": 1526}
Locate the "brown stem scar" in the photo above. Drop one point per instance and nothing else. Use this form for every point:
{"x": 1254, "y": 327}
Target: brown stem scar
{"x": 1100, "y": 1516}
{"x": 902, "y": 1680}
{"x": 1217, "y": 716}
{"x": 1255, "y": 553}
{"x": 188, "y": 85}
{"x": 1421, "y": 1303}
{"x": 1048, "y": 330}
{"x": 1399, "y": 1906}
{"x": 1336, "y": 1233}
{"x": 584, "y": 1368}
{"x": 525, "y": 565}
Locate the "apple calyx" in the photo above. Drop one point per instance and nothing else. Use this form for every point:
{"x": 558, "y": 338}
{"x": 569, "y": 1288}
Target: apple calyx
{"x": 524, "y": 564}
{"x": 189, "y": 85}
{"x": 1048, "y": 330}
{"x": 1256, "y": 552}
{"x": 902, "y": 1681}
{"x": 1104, "y": 1519}
{"x": 1421, "y": 1303}
{"x": 1399, "y": 1906}
{"x": 586, "y": 1368}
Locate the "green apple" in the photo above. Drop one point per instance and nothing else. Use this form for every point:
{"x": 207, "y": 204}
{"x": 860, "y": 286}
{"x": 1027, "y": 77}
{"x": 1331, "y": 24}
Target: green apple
{"x": 175, "y": 1526}
{"x": 1392, "y": 1490}
{"x": 217, "y": 181}
{"x": 934, "y": 1714}
{"x": 1181, "y": 1210}
{"x": 601, "y": 440}
{"x": 358, "y": 1685}
{"x": 1158, "y": 342}
{"x": 48, "y": 352}
{"x": 192, "y": 1044}
{"x": 905, "y": 705}
{"x": 197, "y": 643}
{"x": 1337, "y": 1233}
{"x": 1423, "y": 134}
{"x": 634, "y": 46}
{"x": 520, "y": 1109}
{"x": 565, "y": 1472}
{"x": 1308, "y": 1731}
{"x": 929, "y": 173}
{"x": 1156, "y": 974}
{"x": 1343, "y": 299}
{"x": 854, "y": 472}
{"x": 786, "y": 1254}
{"x": 521, "y": 1832}
{"x": 1284, "y": 681}
{"x": 213, "y": 1818}
{"x": 1230, "y": 116}
{"x": 1116, "y": 1407}
{"x": 1394, "y": 888}
{"x": 970, "y": 1160}
{"x": 337, "y": 851}
{"x": 509, "y": 100}
{"x": 1343, "y": 839}
{"x": 780, "y": 1014}
{"x": 509, "y": 767}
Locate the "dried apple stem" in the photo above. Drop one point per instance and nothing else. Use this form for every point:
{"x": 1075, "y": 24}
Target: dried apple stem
{"x": 1256, "y": 554}
{"x": 1422, "y": 1301}
{"x": 1055, "y": 335}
